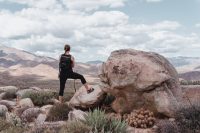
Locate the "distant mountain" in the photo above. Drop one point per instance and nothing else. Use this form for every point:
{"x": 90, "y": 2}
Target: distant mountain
{"x": 193, "y": 75}
{"x": 187, "y": 67}
{"x": 11, "y": 56}
{"x": 18, "y": 63}
{"x": 184, "y": 61}
{"x": 94, "y": 62}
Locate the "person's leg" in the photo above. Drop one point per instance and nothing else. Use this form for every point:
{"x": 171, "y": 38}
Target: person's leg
{"x": 62, "y": 87}
{"x": 74, "y": 75}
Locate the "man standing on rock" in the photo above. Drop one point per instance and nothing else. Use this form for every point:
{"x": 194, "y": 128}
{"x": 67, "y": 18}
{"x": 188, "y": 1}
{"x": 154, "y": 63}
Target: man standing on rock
{"x": 66, "y": 64}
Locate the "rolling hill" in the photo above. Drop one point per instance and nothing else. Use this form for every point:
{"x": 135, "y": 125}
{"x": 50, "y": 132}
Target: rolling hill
{"x": 17, "y": 62}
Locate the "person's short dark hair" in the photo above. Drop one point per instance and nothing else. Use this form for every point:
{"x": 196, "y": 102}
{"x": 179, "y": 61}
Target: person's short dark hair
{"x": 67, "y": 47}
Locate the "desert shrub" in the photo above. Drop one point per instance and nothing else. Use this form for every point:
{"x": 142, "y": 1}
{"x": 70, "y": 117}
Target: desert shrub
{"x": 67, "y": 96}
{"x": 98, "y": 121}
{"x": 6, "y": 127}
{"x": 166, "y": 126}
{"x": 75, "y": 127}
{"x": 188, "y": 118}
{"x": 190, "y": 82}
{"x": 40, "y": 98}
{"x": 14, "y": 120}
{"x": 3, "y": 125}
{"x": 108, "y": 99}
{"x": 43, "y": 130}
{"x": 58, "y": 112}
{"x": 14, "y": 129}
{"x": 9, "y": 95}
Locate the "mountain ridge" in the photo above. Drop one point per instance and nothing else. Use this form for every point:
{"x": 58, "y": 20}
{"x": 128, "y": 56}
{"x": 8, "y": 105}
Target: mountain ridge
{"x": 19, "y": 62}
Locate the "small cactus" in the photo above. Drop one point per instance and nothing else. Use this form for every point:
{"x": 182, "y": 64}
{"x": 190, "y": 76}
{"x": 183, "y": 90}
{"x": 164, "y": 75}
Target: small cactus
{"x": 142, "y": 118}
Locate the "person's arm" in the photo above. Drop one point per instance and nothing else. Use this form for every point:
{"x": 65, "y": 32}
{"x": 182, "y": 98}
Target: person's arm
{"x": 73, "y": 61}
{"x": 59, "y": 67}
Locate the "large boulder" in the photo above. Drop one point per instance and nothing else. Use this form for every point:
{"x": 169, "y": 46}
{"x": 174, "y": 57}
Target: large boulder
{"x": 141, "y": 79}
{"x": 84, "y": 100}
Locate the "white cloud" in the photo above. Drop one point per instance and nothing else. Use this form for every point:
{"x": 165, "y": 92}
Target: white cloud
{"x": 43, "y": 4}
{"x": 153, "y": 1}
{"x": 92, "y": 34}
{"x": 88, "y": 5}
{"x": 197, "y": 25}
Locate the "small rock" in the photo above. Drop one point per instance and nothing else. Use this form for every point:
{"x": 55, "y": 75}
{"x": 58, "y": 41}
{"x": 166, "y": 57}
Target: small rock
{"x": 171, "y": 119}
{"x": 41, "y": 119}
{"x": 45, "y": 109}
{"x": 2, "y": 95}
{"x": 27, "y": 102}
{"x": 76, "y": 115}
{"x": 55, "y": 101}
{"x": 30, "y": 114}
{"x": 7, "y": 102}
{"x": 3, "y": 110}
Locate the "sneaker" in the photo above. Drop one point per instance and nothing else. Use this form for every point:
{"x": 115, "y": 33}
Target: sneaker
{"x": 90, "y": 90}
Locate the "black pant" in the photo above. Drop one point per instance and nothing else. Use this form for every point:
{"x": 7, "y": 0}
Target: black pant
{"x": 64, "y": 75}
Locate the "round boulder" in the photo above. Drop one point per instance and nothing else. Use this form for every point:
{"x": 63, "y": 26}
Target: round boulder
{"x": 141, "y": 79}
{"x": 84, "y": 100}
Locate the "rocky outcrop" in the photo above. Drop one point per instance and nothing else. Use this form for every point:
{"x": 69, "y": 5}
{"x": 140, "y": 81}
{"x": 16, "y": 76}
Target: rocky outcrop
{"x": 139, "y": 79}
{"x": 84, "y": 100}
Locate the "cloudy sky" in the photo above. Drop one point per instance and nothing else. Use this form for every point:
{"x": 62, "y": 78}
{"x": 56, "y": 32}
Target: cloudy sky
{"x": 94, "y": 28}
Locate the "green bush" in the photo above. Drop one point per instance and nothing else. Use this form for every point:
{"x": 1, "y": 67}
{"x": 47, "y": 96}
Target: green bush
{"x": 58, "y": 112}
{"x": 98, "y": 121}
{"x": 75, "y": 127}
{"x": 40, "y": 98}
